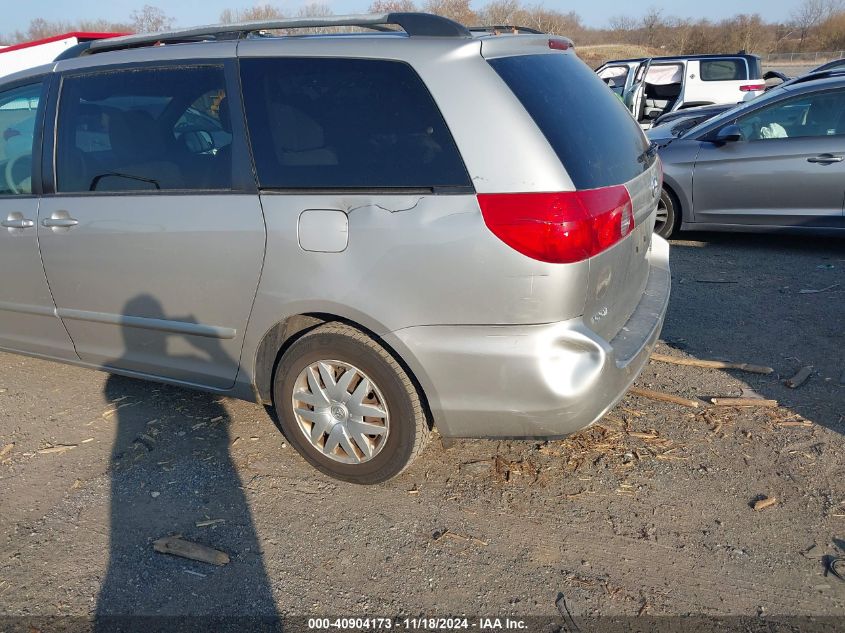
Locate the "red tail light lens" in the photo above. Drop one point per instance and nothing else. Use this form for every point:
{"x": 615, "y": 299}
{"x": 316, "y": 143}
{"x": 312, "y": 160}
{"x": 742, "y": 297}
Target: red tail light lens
{"x": 752, "y": 87}
{"x": 559, "y": 228}
{"x": 559, "y": 44}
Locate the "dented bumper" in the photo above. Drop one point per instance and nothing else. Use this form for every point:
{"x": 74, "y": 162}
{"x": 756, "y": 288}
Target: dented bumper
{"x": 533, "y": 381}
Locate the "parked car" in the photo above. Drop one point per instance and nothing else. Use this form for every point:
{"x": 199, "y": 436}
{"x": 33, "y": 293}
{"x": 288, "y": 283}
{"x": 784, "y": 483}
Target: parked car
{"x": 356, "y": 250}
{"x": 776, "y": 163}
{"x": 651, "y": 87}
{"x": 676, "y": 123}
{"x": 696, "y": 114}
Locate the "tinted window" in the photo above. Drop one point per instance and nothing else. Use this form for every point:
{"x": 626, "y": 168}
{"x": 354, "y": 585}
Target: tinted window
{"x": 150, "y": 129}
{"x": 723, "y": 70}
{"x": 18, "y": 109}
{"x": 820, "y": 114}
{"x": 347, "y": 124}
{"x": 592, "y": 132}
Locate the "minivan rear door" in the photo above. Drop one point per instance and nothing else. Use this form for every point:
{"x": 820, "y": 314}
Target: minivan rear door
{"x": 152, "y": 241}
{"x": 600, "y": 146}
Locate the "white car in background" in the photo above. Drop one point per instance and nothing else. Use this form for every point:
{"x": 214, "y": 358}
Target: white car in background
{"x": 653, "y": 86}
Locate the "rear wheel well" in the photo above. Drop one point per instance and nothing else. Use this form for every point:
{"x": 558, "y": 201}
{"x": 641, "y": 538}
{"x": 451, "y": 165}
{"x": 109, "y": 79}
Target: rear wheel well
{"x": 283, "y": 334}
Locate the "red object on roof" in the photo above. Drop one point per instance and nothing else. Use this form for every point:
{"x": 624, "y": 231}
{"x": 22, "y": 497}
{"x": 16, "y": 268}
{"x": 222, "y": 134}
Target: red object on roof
{"x": 82, "y": 36}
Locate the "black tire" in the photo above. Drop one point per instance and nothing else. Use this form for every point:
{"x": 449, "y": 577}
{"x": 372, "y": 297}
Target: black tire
{"x": 408, "y": 426}
{"x": 667, "y": 227}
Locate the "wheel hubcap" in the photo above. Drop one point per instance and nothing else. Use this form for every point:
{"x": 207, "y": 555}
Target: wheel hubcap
{"x": 341, "y": 411}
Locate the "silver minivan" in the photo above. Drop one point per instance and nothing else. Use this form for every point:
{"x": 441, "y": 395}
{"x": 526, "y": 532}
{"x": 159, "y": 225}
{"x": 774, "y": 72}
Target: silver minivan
{"x": 373, "y": 233}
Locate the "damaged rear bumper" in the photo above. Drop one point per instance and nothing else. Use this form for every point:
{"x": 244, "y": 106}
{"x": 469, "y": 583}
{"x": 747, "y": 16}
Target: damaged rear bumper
{"x": 533, "y": 381}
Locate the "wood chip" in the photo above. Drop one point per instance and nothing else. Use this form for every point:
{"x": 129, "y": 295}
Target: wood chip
{"x": 644, "y": 436}
{"x": 810, "y": 291}
{"x": 712, "y": 364}
{"x": 209, "y": 522}
{"x": 193, "y": 551}
{"x": 663, "y": 397}
{"x": 6, "y": 449}
{"x": 767, "y": 502}
{"x": 743, "y": 402}
{"x": 800, "y": 378}
{"x": 802, "y": 423}
{"x": 61, "y": 448}
{"x": 460, "y": 537}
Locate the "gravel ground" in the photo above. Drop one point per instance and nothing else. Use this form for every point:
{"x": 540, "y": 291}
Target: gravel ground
{"x": 648, "y": 513}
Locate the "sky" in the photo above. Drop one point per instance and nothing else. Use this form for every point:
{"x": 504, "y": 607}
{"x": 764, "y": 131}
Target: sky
{"x": 17, "y": 14}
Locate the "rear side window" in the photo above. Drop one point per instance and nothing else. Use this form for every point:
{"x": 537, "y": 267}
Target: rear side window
{"x": 723, "y": 70}
{"x": 590, "y": 130}
{"x": 346, "y": 124}
{"x": 144, "y": 129}
{"x": 18, "y": 110}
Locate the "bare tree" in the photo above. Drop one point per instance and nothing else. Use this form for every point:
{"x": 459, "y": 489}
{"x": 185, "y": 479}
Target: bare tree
{"x": 257, "y": 12}
{"x": 500, "y": 12}
{"x": 810, "y": 14}
{"x": 150, "y": 19}
{"x": 391, "y": 6}
{"x": 622, "y": 23}
{"x": 458, "y": 10}
{"x": 652, "y": 23}
{"x": 316, "y": 10}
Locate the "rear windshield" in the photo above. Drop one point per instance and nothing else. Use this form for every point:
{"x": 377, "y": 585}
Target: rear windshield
{"x": 589, "y": 128}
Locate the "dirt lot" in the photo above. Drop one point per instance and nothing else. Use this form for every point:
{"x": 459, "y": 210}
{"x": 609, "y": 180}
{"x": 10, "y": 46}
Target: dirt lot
{"x": 648, "y": 513}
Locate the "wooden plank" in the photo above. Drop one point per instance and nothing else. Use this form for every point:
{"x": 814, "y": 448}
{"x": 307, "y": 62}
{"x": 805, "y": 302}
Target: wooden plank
{"x": 743, "y": 402}
{"x": 712, "y": 364}
{"x": 662, "y": 397}
{"x": 194, "y": 551}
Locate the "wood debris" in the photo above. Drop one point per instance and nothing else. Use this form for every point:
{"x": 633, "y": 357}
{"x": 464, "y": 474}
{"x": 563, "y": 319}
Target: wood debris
{"x": 6, "y": 449}
{"x": 712, "y": 364}
{"x": 766, "y": 502}
{"x": 800, "y": 378}
{"x": 662, "y": 397}
{"x": 810, "y": 291}
{"x": 459, "y": 537}
{"x": 744, "y": 402}
{"x": 176, "y": 546}
{"x": 209, "y": 522}
{"x": 61, "y": 448}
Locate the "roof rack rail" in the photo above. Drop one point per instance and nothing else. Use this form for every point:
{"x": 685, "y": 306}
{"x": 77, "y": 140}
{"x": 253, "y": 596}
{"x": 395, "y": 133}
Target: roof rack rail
{"x": 498, "y": 29}
{"x": 414, "y": 24}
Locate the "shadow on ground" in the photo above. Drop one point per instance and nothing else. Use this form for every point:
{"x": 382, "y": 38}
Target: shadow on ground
{"x": 190, "y": 489}
{"x": 746, "y": 298}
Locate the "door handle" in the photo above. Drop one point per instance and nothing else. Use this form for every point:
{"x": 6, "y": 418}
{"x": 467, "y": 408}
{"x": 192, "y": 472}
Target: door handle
{"x": 59, "y": 222}
{"x": 825, "y": 159}
{"x": 17, "y": 223}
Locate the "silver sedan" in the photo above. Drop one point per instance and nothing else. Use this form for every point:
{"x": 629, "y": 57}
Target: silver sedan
{"x": 774, "y": 164}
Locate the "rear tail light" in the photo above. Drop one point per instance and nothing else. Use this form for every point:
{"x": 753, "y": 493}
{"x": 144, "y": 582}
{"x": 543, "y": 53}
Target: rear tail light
{"x": 560, "y": 44}
{"x": 752, "y": 87}
{"x": 559, "y": 228}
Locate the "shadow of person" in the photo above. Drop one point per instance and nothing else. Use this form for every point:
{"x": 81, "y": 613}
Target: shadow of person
{"x": 172, "y": 474}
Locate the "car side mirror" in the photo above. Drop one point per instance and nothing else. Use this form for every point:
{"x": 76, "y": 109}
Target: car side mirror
{"x": 729, "y": 134}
